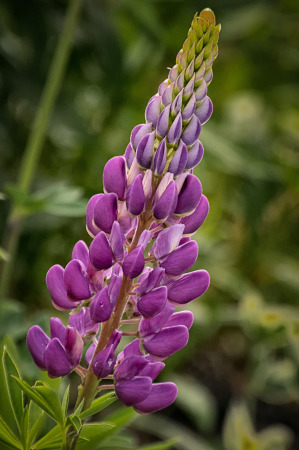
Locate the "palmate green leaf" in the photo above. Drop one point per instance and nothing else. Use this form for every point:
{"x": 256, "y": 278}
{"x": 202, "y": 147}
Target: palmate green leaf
{"x": 7, "y": 437}
{"x": 98, "y": 405}
{"x": 44, "y": 397}
{"x": 15, "y": 394}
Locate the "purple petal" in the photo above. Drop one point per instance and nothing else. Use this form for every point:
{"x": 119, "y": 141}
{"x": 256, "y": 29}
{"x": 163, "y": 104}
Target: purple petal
{"x": 179, "y": 159}
{"x": 181, "y": 259}
{"x": 114, "y": 288}
{"x": 204, "y": 111}
{"x": 188, "y": 90}
{"x": 148, "y": 327}
{"x": 150, "y": 281}
{"x": 105, "y": 212}
{"x": 129, "y": 155}
{"x": 167, "y": 342}
{"x": 167, "y": 94}
{"x": 145, "y": 150}
{"x": 175, "y": 130}
{"x": 134, "y": 262}
{"x": 192, "y": 131}
{"x": 100, "y": 252}
{"x": 153, "y": 110}
{"x": 160, "y": 158}
{"x": 147, "y": 183}
{"x": 189, "y": 287}
{"x": 161, "y": 396}
{"x": 181, "y": 318}
{"x": 117, "y": 240}
{"x": 177, "y": 103}
{"x": 115, "y": 339}
{"x": 56, "y": 360}
{"x": 163, "y": 86}
{"x": 201, "y": 91}
{"x": 133, "y": 391}
{"x": 57, "y": 329}
{"x": 37, "y": 342}
{"x": 89, "y": 353}
{"x": 166, "y": 204}
{"x": 153, "y": 369}
{"x": 195, "y": 154}
{"x": 196, "y": 219}
{"x": 189, "y": 108}
{"x": 104, "y": 362}
{"x": 101, "y": 307}
{"x": 167, "y": 240}
{"x": 133, "y": 348}
{"x": 80, "y": 251}
{"x": 91, "y": 229}
{"x": 76, "y": 280}
{"x": 150, "y": 304}
{"x": 83, "y": 323}
{"x": 138, "y": 132}
{"x": 162, "y": 123}
{"x": 73, "y": 346}
{"x": 129, "y": 367}
{"x": 135, "y": 198}
{"x": 179, "y": 84}
{"x": 189, "y": 196}
{"x": 55, "y": 284}
{"x": 173, "y": 73}
{"x": 114, "y": 176}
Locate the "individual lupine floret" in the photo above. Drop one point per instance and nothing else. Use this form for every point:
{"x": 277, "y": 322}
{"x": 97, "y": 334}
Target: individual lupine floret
{"x": 104, "y": 361}
{"x": 166, "y": 333}
{"x": 134, "y": 376}
{"x": 188, "y": 287}
{"x": 58, "y": 355}
{"x": 83, "y": 323}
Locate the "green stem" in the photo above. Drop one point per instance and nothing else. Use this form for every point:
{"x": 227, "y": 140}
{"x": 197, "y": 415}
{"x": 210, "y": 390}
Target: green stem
{"x": 38, "y": 132}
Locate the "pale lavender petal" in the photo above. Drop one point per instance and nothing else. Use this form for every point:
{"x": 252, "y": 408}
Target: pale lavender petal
{"x": 189, "y": 108}
{"x": 196, "y": 219}
{"x": 173, "y": 73}
{"x": 153, "y": 110}
{"x": 179, "y": 159}
{"x": 129, "y": 155}
{"x": 134, "y": 262}
{"x": 189, "y": 196}
{"x": 167, "y": 95}
{"x": 167, "y": 341}
{"x": 100, "y": 253}
{"x": 138, "y": 132}
{"x": 162, "y": 123}
{"x": 133, "y": 391}
{"x": 204, "y": 111}
{"x": 55, "y": 284}
{"x": 161, "y": 396}
{"x": 135, "y": 198}
{"x": 179, "y": 84}
{"x": 37, "y": 342}
{"x": 177, "y": 103}
{"x": 144, "y": 239}
{"x": 195, "y": 154}
{"x": 181, "y": 259}
{"x": 145, "y": 150}
{"x": 76, "y": 280}
{"x": 201, "y": 91}
{"x": 150, "y": 304}
{"x": 105, "y": 212}
{"x": 56, "y": 360}
{"x": 189, "y": 287}
{"x": 167, "y": 240}
{"x": 175, "y": 130}
{"x": 192, "y": 131}
{"x": 114, "y": 176}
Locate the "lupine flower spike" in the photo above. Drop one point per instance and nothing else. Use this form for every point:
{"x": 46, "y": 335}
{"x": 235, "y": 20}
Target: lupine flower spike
{"x": 134, "y": 270}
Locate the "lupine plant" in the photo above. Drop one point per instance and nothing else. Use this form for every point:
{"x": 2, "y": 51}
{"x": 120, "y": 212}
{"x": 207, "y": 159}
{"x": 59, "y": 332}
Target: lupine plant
{"x": 132, "y": 279}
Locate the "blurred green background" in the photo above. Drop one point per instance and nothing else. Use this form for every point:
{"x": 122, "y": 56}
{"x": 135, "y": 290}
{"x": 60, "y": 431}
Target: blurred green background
{"x": 245, "y": 341}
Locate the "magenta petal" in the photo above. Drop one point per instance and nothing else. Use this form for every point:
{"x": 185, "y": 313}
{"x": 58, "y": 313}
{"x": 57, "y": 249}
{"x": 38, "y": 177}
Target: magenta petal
{"x": 181, "y": 318}
{"x": 195, "y": 154}
{"x": 83, "y": 323}
{"x": 153, "y": 369}
{"x": 103, "y": 363}
{"x": 73, "y": 346}
{"x": 189, "y": 287}
{"x": 197, "y": 218}
{"x": 150, "y": 304}
{"x": 166, "y": 204}
{"x": 167, "y": 240}
{"x": 91, "y": 229}
{"x": 189, "y": 196}
{"x": 148, "y": 327}
{"x": 55, "y": 284}
{"x": 114, "y": 288}
{"x": 134, "y": 262}
{"x": 167, "y": 342}
{"x": 114, "y": 176}
{"x": 150, "y": 281}
{"x": 161, "y": 396}
{"x": 101, "y": 307}
{"x": 133, "y": 348}
{"x": 57, "y": 329}
{"x": 89, "y": 353}
{"x": 80, "y": 251}
{"x": 37, "y": 342}
{"x": 135, "y": 198}
{"x": 105, "y": 212}
{"x": 179, "y": 159}
{"x": 204, "y": 111}
{"x": 56, "y": 360}
{"x": 129, "y": 155}
{"x": 76, "y": 280}
{"x": 100, "y": 252}
{"x": 117, "y": 240}
{"x": 181, "y": 259}
{"x": 133, "y": 391}
{"x": 129, "y": 367}
{"x": 192, "y": 131}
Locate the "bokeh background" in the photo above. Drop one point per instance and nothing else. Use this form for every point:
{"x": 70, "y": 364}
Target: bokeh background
{"x": 239, "y": 373}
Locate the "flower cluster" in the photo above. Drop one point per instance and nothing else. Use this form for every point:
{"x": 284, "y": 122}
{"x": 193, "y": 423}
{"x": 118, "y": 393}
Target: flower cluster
{"x": 133, "y": 272}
